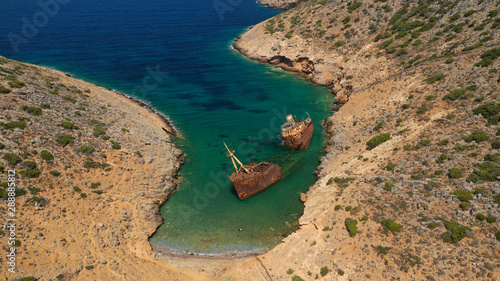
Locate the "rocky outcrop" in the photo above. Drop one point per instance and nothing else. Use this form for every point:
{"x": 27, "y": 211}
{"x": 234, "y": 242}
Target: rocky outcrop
{"x": 280, "y": 4}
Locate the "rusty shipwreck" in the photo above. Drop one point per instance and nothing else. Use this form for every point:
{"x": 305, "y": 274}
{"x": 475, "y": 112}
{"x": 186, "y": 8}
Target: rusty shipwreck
{"x": 297, "y": 134}
{"x": 254, "y": 177}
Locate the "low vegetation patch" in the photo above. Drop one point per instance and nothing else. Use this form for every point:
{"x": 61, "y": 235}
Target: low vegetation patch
{"x": 343, "y": 182}
{"x": 463, "y": 195}
{"x": 374, "y": 142}
{"x": 352, "y": 226}
{"x": 477, "y": 136}
{"x": 36, "y": 111}
{"x": 85, "y": 149}
{"x": 455, "y": 233}
{"x": 63, "y": 140}
{"x": 47, "y": 156}
{"x": 391, "y": 225}
{"x": 488, "y": 170}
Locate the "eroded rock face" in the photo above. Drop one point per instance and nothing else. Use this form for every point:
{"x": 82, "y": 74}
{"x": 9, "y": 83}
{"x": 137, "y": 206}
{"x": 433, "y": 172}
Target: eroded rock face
{"x": 280, "y": 4}
{"x": 305, "y": 65}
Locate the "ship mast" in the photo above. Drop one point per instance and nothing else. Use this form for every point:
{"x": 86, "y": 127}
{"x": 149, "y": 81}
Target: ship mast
{"x": 230, "y": 153}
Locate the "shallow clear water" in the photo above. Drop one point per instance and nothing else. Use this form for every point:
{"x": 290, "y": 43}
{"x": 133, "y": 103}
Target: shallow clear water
{"x": 176, "y": 55}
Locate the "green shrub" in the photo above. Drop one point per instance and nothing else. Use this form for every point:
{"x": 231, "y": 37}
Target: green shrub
{"x": 289, "y": 271}
{"x": 64, "y": 139}
{"x": 388, "y": 186}
{"x": 455, "y": 233}
{"x": 442, "y": 158}
{"x": 389, "y": 224}
{"x": 351, "y": 225}
{"x": 435, "y": 78}
{"x": 4, "y": 90}
{"x": 55, "y": 173}
{"x": 34, "y": 190}
{"x": 60, "y": 277}
{"x": 95, "y": 185}
{"x": 116, "y": 145}
{"x": 382, "y": 250}
{"x": 480, "y": 217}
{"x": 455, "y": 94}
{"x": 464, "y": 205}
{"x": 76, "y": 188}
{"x": 489, "y": 170}
{"x": 491, "y": 219}
{"x": 36, "y": 111}
{"x": 343, "y": 182}
{"x": 84, "y": 149}
{"x": 353, "y": 6}
{"x": 487, "y": 110}
{"x": 477, "y": 136}
{"x": 422, "y": 143}
{"x": 390, "y": 166}
{"x": 433, "y": 225}
{"x": 47, "y": 156}
{"x": 341, "y": 272}
{"x": 89, "y": 267}
{"x": 69, "y": 98}
{"x": 455, "y": 173}
{"x": 443, "y": 142}
{"x": 91, "y": 164}
{"x": 337, "y": 207}
{"x": 374, "y": 142}
{"x": 31, "y": 170}
{"x": 83, "y": 195}
{"x": 492, "y": 13}
{"x": 29, "y": 278}
{"x": 496, "y": 198}
{"x": 348, "y": 208}
{"x": 488, "y": 57}
{"x": 463, "y": 195}
{"x": 339, "y": 44}
{"x": 378, "y": 126}
{"x": 497, "y": 235}
{"x": 423, "y": 109}
{"x": 297, "y": 278}
{"x": 69, "y": 126}
{"x": 100, "y": 130}
{"x": 34, "y": 173}
{"x": 324, "y": 271}
{"x": 495, "y": 144}
{"x": 14, "y": 124}
{"x": 12, "y": 159}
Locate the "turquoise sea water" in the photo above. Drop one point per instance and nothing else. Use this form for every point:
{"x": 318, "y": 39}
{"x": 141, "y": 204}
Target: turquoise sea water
{"x": 176, "y": 55}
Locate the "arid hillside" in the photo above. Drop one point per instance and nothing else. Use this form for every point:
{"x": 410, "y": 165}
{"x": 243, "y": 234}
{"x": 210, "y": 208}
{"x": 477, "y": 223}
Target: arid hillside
{"x": 91, "y": 168}
{"x": 409, "y": 188}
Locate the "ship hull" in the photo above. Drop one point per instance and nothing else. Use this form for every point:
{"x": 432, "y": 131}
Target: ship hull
{"x": 300, "y": 140}
{"x": 248, "y": 185}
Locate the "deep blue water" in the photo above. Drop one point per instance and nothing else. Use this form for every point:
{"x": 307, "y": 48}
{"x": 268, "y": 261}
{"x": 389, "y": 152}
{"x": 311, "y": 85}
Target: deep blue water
{"x": 176, "y": 55}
